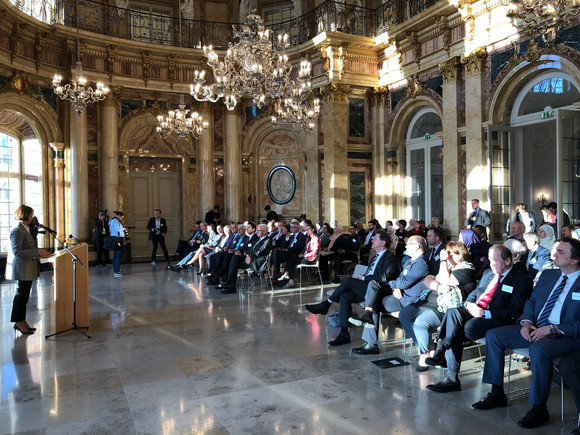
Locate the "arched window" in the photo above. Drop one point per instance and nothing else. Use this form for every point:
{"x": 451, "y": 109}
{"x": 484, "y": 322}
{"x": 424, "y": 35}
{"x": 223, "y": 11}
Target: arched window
{"x": 425, "y": 167}
{"x": 20, "y": 181}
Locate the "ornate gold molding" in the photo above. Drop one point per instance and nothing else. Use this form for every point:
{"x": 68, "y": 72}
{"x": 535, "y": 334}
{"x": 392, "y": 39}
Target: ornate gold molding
{"x": 146, "y": 66}
{"x": 113, "y": 97}
{"x": 450, "y": 70}
{"x": 171, "y": 69}
{"x": 39, "y": 44}
{"x": 413, "y": 40}
{"x": 443, "y": 27}
{"x": 58, "y": 154}
{"x": 20, "y": 85}
{"x": 415, "y": 87}
{"x": 335, "y": 93}
{"x": 380, "y": 96}
{"x": 534, "y": 50}
{"x": 475, "y": 61}
{"x": 111, "y": 56}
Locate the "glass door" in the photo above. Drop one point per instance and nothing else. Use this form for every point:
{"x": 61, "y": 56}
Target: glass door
{"x": 568, "y": 163}
{"x": 499, "y": 162}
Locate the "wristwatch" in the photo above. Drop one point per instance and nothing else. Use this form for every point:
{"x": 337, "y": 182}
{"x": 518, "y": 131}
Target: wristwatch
{"x": 553, "y": 330}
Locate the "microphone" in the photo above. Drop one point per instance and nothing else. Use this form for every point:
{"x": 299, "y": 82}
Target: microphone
{"x": 50, "y": 230}
{"x": 73, "y": 237}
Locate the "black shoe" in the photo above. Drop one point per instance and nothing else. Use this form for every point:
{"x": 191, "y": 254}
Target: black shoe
{"x": 491, "y": 401}
{"x": 437, "y": 360}
{"x": 534, "y": 418}
{"x": 342, "y": 338}
{"x": 367, "y": 349}
{"x": 576, "y": 430}
{"x": 446, "y": 385}
{"x": 420, "y": 368}
{"x": 320, "y": 308}
{"x": 367, "y": 317}
{"x": 228, "y": 290}
{"x": 336, "y": 280}
{"x": 176, "y": 268}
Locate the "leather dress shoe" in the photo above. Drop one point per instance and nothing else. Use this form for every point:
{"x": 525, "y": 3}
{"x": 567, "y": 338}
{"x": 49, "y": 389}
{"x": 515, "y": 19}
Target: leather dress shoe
{"x": 342, "y": 338}
{"x": 446, "y": 385}
{"x": 491, "y": 401}
{"x": 438, "y": 359}
{"x": 320, "y": 308}
{"x": 420, "y": 368}
{"x": 366, "y": 349}
{"x": 367, "y": 317}
{"x": 534, "y": 418}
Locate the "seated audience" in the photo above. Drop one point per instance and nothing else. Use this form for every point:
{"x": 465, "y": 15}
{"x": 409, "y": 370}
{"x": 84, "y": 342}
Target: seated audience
{"x": 308, "y": 256}
{"x": 450, "y": 287}
{"x": 325, "y": 233}
{"x": 519, "y": 254}
{"x": 435, "y": 240}
{"x": 346, "y": 249}
{"x": 547, "y": 237}
{"x": 498, "y": 300}
{"x": 477, "y": 253}
{"x": 365, "y": 249}
{"x": 383, "y": 267}
{"x": 295, "y": 246}
{"x": 537, "y": 254}
{"x": 548, "y": 264}
{"x": 518, "y": 230}
{"x": 549, "y": 327}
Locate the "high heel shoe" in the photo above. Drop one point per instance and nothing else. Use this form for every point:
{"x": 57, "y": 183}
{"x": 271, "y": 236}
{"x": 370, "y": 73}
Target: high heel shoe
{"x": 22, "y": 331}
{"x": 30, "y": 328}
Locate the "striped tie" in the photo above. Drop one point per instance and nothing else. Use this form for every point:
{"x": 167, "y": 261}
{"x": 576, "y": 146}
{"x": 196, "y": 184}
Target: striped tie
{"x": 549, "y": 305}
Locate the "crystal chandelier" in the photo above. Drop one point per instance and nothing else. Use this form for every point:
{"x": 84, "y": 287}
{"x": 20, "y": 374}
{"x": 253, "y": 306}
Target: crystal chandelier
{"x": 255, "y": 66}
{"x": 77, "y": 91}
{"x": 177, "y": 120}
{"x": 545, "y": 18}
{"x": 294, "y": 106}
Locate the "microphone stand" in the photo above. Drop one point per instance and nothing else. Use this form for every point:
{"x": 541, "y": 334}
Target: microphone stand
{"x": 75, "y": 260}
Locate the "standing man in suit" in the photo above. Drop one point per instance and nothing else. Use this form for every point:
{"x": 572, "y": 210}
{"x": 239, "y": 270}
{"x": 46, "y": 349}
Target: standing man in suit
{"x": 157, "y": 227}
{"x": 549, "y": 327}
{"x": 255, "y": 255}
{"x": 100, "y": 231}
{"x": 23, "y": 265}
{"x": 383, "y": 267}
{"x": 478, "y": 216}
{"x": 498, "y": 301}
{"x": 537, "y": 255}
{"x": 435, "y": 240}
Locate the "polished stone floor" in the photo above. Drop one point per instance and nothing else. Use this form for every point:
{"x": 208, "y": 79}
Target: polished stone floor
{"x": 170, "y": 355}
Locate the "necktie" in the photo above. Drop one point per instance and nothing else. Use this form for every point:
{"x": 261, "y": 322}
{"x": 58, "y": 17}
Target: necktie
{"x": 239, "y": 243}
{"x": 485, "y": 298}
{"x": 371, "y": 267}
{"x": 549, "y": 305}
{"x": 294, "y": 240}
{"x": 432, "y": 254}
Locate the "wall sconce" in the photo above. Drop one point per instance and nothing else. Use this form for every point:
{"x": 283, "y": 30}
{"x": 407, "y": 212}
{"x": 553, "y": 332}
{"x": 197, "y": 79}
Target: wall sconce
{"x": 543, "y": 197}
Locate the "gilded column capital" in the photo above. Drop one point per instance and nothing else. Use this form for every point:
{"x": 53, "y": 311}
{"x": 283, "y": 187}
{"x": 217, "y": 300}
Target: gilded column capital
{"x": 380, "y": 96}
{"x": 113, "y": 97}
{"x": 58, "y": 148}
{"x": 475, "y": 61}
{"x": 450, "y": 70}
{"x": 335, "y": 93}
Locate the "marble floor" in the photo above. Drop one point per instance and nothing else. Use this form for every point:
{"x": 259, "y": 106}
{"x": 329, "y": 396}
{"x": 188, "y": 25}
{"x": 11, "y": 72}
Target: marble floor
{"x": 169, "y": 355}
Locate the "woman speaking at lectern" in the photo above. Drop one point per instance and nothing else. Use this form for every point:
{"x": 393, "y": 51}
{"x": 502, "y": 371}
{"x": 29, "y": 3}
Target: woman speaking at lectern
{"x": 23, "y": 265}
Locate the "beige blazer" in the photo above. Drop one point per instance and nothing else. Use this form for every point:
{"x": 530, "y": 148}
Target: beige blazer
{"x": 23, "y": 260}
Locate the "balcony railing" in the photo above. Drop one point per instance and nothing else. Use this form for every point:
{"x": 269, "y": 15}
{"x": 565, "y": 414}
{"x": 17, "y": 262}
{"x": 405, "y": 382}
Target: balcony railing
{"x": 158, "y": 29}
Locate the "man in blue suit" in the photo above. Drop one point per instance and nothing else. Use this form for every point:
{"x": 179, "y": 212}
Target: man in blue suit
{"x": 549, "y": 327}
{"x": 537, "y": 254}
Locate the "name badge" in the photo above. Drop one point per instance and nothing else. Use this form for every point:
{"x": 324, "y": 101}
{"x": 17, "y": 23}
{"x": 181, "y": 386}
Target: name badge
{"x": 353, "y": 240}
{"x": 507, "y": 289}
{"x": 576, "y": 296}
{"x": 436, "y": 258}
{"x": 249, "y": 244}
{"x": 533, "y": 260}
{"x": 405, "y": 271}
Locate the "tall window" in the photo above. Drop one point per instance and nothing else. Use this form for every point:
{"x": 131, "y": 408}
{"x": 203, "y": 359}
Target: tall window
{"x": 425, "y": 167}
{"x": 20, "y": 181}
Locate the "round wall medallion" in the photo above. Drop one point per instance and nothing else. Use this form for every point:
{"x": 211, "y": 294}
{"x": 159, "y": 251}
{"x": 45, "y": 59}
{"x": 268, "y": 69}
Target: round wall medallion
{"x": 281, "y": 184}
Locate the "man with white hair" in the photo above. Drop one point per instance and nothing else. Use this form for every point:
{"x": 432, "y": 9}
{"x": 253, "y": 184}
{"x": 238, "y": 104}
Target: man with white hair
{"x": 537, "y": 255}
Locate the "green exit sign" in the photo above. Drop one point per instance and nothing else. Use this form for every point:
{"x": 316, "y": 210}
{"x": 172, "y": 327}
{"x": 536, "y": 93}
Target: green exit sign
{"x": 427, "y": 136}
{"x": 547, "y": 114}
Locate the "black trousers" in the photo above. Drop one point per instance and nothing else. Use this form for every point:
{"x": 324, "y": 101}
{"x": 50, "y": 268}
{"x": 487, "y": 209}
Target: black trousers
{"x": 20, "y": 300}
{"x": 159, "y": 240}
{"x": 102, "y": 253}
{"x": 570, "y": 369}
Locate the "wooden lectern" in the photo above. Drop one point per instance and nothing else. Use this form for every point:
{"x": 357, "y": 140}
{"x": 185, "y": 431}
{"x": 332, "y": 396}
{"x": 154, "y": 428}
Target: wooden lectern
{"x": 63, "y": 288}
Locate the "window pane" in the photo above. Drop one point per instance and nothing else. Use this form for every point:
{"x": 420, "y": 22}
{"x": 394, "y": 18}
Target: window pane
{"x": 9, "y": 202}
{"x": 357, "y": 196}
{"x": 427, "y": 123}
{"x": 417, "y": 174}
{"x": 436, "y": 184}
{"x": 554, "y": 92}
{"x": 9, "y": 154}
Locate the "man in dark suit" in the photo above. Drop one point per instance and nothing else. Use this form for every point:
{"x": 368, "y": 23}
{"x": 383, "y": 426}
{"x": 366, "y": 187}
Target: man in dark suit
{"x": 549, "y": 327}
{"x": 157, "y": 227}
{"x": 537, "y": 255}
{"x": 255, "y": 255}
{"x": 396, "y": 293}
{"x": 245, "y": 232}
{"x": 215, "y": 261}
{"x": 348, "y": 251}
{"x": 478, "y": 216}
{"x": 100, "y": 231}
{"x": 435, "y": 240}
{"x": 498, "y": 300}
{"x": 383, "y": 267}
{"x": 296, "y": 245}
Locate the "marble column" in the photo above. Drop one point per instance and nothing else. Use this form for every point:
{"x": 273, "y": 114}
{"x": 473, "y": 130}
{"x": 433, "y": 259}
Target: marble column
{"x": 59, "y": 187}
{"x": 205, "y": 164}
{"x": 477, "y": 173}
{"x": 232, "y": 166}
{"x": 379, "y": 98}
{"x": 336, "y": 178}
{"x": 311, "y": 184}
{"x": 108, "y": 158}
{"x": 79, "y": 177}
{"x": 453, "y": 222}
